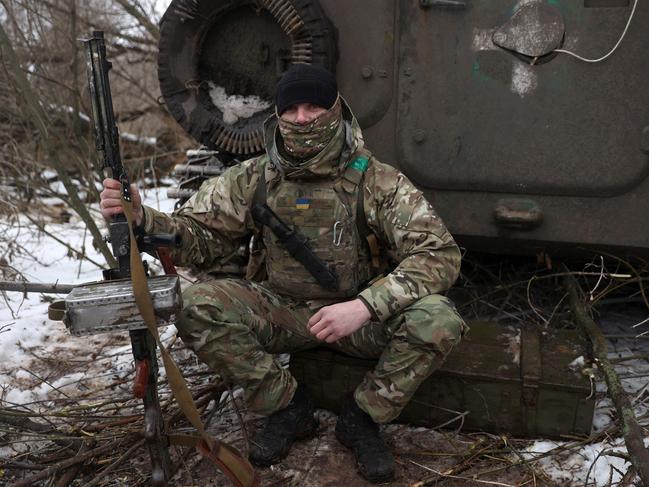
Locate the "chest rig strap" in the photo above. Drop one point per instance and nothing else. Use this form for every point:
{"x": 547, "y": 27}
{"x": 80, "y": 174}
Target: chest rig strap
{"x": 349, "y": 188}
{"x": 353, "y": 181}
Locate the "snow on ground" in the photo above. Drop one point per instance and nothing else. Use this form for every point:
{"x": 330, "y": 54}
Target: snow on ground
{"x": 30, "y": 344}
{"x": 596, "y": 462}
{"x": 27, "y": 335}
{"x": 593, "y": 463}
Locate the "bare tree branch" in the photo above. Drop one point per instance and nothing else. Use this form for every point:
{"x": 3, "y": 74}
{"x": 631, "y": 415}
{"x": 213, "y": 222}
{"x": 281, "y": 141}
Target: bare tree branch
{"x": 40, "y": 120}
{"x": 631, "y": 430}
{"x": 135, "y": 10}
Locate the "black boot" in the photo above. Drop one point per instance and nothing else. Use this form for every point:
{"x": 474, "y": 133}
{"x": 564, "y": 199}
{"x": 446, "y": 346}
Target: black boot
{"x": 273, "y": 442}
{"x": 356, "y": 430}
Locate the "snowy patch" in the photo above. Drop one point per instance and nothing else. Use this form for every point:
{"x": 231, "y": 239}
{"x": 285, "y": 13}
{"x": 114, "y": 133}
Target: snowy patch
{"x": 200, "y": 153}
{"x": 522, "y": 3}
{"x": 30, "y": 341}
{"x": 69, "y": 109}
{"x": 235, "y": 107}
{"x": 571, "y": 467}
{"x": 577, "y": 364}
{"x": 138, "y": 139}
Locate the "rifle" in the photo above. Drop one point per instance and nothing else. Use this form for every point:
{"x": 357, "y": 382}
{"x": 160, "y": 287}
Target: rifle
{"x": 144, "y": 346}
{"x": 151, "y": 298}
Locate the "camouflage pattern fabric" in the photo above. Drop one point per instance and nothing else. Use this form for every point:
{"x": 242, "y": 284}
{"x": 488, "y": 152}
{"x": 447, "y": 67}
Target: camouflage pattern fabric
{"x": 216, "y": 221}
{"x": 304, "y": 141}
{"x": 236, "y": 327}
{"x": 233, "y": 327}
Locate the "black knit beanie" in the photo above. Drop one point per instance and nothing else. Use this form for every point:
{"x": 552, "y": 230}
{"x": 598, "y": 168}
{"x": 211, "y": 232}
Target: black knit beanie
{"x": 306, "y": 83}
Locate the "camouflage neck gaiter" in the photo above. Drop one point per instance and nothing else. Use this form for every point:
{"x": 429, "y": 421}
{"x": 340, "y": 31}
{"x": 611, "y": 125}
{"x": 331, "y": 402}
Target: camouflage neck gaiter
{"x": 305, "y": 141}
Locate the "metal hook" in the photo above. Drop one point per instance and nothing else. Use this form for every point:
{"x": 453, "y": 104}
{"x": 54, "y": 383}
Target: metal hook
{"x": 337, "y": 235}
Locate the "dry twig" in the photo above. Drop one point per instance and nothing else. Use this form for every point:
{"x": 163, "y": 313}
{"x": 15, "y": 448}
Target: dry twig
{"x": 633, "y": 434}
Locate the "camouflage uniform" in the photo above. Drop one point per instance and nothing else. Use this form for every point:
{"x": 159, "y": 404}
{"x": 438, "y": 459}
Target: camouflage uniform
{"x": 236, "y": 325}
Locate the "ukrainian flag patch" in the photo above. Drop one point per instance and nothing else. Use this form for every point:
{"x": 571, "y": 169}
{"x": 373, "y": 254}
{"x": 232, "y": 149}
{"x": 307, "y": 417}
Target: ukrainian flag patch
{"x": 302, "y": 203}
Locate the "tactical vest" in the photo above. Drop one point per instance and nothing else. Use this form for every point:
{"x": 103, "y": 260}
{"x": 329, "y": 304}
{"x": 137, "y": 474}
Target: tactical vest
{"x": 326, "y": 214}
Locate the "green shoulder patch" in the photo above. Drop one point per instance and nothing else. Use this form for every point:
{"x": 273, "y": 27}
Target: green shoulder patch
{"x": 360, "y": 163}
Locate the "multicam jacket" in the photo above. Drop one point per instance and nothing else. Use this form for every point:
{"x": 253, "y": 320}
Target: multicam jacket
{"x": 216, "y": 221}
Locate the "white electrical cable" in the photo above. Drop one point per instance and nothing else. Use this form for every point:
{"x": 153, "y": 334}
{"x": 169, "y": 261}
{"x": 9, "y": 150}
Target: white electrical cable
{"x": 635, "y": 4}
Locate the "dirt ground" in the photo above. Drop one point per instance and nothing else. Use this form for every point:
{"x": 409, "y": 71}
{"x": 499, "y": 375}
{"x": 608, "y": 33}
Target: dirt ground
{"x": 423, "y": 456}
{"x": 419, "y": 452}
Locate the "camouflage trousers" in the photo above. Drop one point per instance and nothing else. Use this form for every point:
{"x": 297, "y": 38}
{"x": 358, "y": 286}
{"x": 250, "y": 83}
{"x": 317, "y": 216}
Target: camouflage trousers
{"x": 237, "y": 327}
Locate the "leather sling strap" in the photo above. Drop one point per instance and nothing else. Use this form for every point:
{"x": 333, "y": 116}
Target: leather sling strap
{"x": 227, "y": 458}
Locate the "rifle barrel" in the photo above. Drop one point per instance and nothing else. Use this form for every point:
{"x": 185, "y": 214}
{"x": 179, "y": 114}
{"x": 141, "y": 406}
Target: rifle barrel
{"x": 106, "y": 132}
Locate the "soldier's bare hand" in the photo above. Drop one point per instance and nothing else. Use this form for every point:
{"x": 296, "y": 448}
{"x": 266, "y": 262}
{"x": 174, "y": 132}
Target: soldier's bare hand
{"x": 334, "y": 322}
{"x": 111, "y": 202}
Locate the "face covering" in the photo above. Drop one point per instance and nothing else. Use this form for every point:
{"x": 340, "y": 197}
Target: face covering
{"x": 305, "y": 141}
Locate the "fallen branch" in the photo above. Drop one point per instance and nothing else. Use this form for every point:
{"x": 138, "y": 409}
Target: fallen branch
{"x": 467, "y": 479}
{"x": 48, "y": 473}
{"x": 22, "y": 423}
{"x": 36, "y": 287}
{"x": 70, "y": 474}
{"x": 125, "y": 456}
{"x": 631, "y": 430}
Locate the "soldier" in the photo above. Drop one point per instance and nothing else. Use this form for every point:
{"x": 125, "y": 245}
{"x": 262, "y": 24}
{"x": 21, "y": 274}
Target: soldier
{"x": 356, "y": 214}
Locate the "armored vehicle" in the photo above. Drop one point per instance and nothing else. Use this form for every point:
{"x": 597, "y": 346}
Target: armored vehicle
{"x": 523, "y": 121}
{"x": 520, "y": 146}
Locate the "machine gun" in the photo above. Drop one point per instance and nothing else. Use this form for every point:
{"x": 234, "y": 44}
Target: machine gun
{"x": 130, "y": 299}
{"x": 144, "y": 346}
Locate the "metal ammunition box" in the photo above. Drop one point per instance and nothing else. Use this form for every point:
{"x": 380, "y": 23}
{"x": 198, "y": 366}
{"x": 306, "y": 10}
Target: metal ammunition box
{"x": 517, "y": 381}
{"x": 110, "y": 305}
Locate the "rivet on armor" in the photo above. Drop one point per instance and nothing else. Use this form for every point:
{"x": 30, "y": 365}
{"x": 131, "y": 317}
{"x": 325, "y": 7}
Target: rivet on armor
{"x": 419, "y": 136}
{"x": 367, "y": 72}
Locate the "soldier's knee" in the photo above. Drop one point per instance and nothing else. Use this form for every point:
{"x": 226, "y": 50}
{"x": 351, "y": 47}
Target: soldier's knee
{"x": 203, "y": 306}
{"x": 433, "y": 322}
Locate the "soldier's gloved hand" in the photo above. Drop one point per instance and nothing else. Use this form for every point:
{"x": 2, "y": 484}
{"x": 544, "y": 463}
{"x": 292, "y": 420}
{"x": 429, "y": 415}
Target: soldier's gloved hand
{"x": 111, "y": 202}
{"x": 333, "y": 322}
